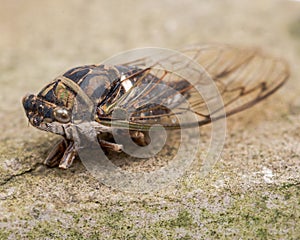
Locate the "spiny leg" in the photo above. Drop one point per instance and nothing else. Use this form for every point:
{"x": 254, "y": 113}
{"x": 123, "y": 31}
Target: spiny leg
{"x": 54, "y": 157}
{"x": 69, "y": 156}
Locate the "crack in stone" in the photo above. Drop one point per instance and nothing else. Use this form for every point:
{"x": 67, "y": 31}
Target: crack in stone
{"x": 10, "y": 178}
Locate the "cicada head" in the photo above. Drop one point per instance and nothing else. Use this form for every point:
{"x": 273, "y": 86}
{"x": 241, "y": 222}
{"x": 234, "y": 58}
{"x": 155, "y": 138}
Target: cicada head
{"x": 51, "y": 108}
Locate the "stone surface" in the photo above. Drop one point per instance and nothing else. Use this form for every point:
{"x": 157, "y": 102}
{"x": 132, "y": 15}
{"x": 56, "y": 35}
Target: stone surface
{"x": 253, "y": 191}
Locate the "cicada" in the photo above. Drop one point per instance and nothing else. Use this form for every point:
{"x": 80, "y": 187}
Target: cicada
{"x": 243, "y": 78}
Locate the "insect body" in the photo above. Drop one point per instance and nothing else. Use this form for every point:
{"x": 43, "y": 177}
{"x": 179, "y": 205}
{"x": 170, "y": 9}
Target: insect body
{"x": 145, "y": 95}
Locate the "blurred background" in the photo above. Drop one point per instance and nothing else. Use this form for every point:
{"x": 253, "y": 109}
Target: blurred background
{"x": 41, "y": 39}
{"x": 251, "y": 193}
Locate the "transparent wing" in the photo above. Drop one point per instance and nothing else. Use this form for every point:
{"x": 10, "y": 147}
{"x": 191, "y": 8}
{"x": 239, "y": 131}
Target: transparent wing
{"x": 243, "y": 76}
{"x": 161, "y": 95}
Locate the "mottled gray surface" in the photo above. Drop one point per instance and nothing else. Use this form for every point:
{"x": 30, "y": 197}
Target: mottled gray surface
{"x": 253, "y": 192}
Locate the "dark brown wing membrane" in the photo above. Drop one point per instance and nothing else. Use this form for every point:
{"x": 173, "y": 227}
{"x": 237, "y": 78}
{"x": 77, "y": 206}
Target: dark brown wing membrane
{"x": 243, "y": 77}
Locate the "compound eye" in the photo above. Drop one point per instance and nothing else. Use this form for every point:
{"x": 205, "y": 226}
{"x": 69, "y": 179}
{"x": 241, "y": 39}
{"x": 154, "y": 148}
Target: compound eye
{"x": 36, "y": 121}
{"x": 62, "y": 115}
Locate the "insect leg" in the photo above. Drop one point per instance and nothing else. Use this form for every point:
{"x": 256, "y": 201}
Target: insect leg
{"x": 111, "y": 146}
{"x": 68, "y": 156}
{"x": 56, "y": 154}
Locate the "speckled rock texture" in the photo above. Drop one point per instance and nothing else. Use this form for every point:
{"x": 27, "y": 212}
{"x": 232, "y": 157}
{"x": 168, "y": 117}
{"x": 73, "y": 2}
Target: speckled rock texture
{"x": 253, "y": 192}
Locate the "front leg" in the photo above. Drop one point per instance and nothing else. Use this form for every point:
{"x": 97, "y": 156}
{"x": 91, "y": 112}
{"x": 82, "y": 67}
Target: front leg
{"x": 62, "y": 154}
{"x": 54, "y": 157}
{"x": 69, "y": 156}
{"x": 71, "y": 152}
